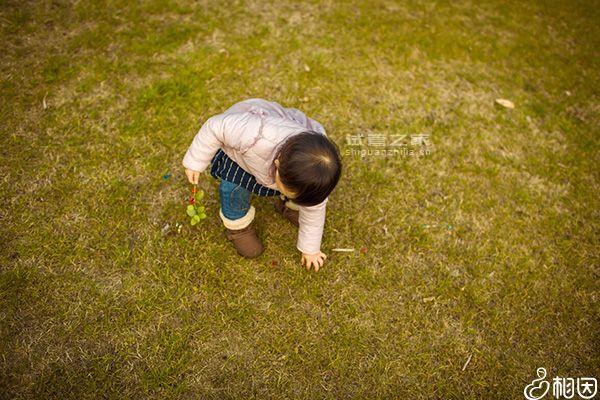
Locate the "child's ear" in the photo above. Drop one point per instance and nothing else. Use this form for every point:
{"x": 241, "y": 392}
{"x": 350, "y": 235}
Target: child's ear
{"x": 277, "y": 163}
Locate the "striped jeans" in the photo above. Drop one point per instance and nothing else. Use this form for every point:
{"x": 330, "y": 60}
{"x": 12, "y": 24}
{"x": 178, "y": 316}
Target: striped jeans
{"x": 236, "y": 187}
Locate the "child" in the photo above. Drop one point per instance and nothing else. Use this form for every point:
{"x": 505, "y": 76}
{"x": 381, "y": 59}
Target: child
{"x": 260, "y": 147}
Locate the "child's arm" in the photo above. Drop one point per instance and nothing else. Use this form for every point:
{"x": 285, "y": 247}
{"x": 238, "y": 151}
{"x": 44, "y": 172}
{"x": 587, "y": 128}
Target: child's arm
{"x": 310, "y": 233}
{"x": 218, "y": 131}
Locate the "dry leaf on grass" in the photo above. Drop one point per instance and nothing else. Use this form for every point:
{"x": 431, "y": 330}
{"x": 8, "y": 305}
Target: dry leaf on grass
{"x": 505, "y": 103}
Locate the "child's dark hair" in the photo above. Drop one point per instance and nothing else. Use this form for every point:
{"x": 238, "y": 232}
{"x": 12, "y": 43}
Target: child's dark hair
{"x": 310, "y": 166}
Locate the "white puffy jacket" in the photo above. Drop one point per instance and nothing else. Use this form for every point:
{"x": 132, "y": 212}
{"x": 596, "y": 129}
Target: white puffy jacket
{"x": 250, "y": 133}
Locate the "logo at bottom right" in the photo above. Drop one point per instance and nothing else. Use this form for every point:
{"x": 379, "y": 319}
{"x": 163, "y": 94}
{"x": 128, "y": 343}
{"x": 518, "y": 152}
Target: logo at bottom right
{"x": 562, "y": 388}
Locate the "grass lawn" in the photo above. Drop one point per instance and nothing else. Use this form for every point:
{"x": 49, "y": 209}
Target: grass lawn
{"x": 474, "y": 265}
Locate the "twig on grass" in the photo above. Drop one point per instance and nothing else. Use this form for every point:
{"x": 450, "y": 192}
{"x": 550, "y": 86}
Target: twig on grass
{"x": 467, "y": 362}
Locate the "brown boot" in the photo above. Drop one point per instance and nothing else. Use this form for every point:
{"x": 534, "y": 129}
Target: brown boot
{"x": 286, "y": 212}
{"x": 246, "y": 241}
{"x": 242, "y": 234}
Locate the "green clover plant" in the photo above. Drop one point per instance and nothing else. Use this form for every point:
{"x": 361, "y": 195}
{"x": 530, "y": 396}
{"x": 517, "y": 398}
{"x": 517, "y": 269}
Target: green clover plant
{"x": 195, "y": 210}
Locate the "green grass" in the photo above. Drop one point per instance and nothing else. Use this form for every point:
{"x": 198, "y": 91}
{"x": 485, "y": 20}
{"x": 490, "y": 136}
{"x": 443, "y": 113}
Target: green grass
{"x": 499, "y": 224}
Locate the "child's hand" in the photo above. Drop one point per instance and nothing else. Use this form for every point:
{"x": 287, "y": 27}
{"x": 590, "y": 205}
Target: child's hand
{"x": 313, "y": 259}
{"x": 192, "y": 176}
